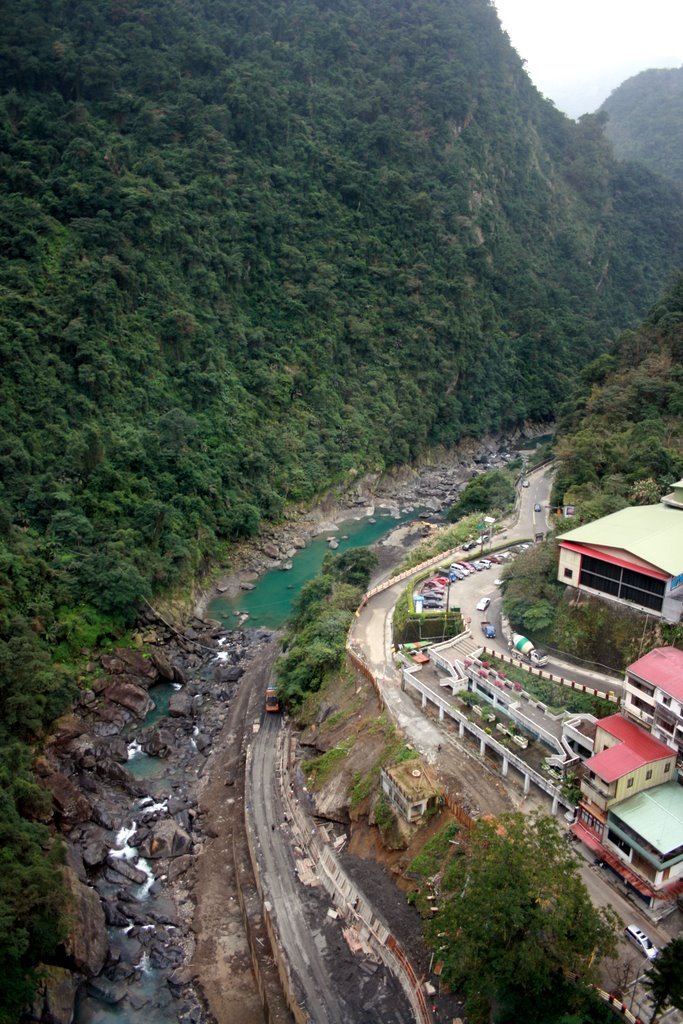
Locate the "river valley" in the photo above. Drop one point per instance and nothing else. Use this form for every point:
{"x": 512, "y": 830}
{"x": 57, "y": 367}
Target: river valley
{"x": 126, "y": 778}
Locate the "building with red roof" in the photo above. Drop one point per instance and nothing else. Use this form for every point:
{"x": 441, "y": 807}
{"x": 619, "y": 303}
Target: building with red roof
{"x": 653, "y": 695}
{"x": 627, "y": 763}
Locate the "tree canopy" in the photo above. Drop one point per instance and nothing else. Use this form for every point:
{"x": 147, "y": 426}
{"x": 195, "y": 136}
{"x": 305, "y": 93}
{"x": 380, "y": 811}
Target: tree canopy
{"x": 515, "y": 927}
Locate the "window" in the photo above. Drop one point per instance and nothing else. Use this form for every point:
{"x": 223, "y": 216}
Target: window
{"x": 569, "y": 574}
{"x": 629, "y": 783}
{"x": 667, "y": 766}
{"x": 666, "y": 701}
{"x": 622, "y": 583}
{"x": 648, "y": 774}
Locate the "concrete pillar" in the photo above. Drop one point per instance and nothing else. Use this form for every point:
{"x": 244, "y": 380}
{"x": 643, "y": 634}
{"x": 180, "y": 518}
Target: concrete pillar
{"x": 482, "y": 747}
{"x": 424, "y": 701}
{"x": 527, "y": 784}
{"x": 555, "y": 803}
{"x": 441, "y": 714}
{"x": 505, "y": 766}
{"x": 461, "y": 729}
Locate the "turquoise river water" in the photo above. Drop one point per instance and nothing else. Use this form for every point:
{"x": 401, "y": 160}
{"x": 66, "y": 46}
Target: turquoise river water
{"x": 269, "y": 604}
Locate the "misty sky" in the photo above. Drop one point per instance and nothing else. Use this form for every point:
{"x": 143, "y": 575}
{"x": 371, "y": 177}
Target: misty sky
{"x": 578, "y": 51}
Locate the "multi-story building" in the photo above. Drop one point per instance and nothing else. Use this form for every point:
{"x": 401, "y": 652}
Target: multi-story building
{"x": 631, "y": 809}
{"x": 653, "y": 695}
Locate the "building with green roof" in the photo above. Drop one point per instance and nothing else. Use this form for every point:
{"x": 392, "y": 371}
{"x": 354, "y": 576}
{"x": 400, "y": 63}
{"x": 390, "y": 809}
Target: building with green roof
{"x": 633, "y": 557}
{"x": 646, "y": 831}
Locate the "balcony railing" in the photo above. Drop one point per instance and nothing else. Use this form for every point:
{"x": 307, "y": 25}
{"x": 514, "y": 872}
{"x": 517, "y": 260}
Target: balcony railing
{"x": 665, "y": 714}
{"x": 636, "y": 686}
{"x": 598, "y": 796}
{"x": 635, "y": 712}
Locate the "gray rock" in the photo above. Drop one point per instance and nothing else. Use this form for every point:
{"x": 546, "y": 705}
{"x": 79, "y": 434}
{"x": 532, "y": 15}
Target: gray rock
{"x": 270, "y": 550}
{"x": 203, "y": 742}
{"x": 247, "y": 586}
{"x": 168, "y": 840}
{"x": 105, "y": 817}
{"x": 86, "y": 945}
{"x": 180, "y": 705}
{"x": 179, "y": 675}
{"x": 230, "y": 674}
{"x": 95, "y": 853}
{"x": 127, "y": 870}
{"x": 178, "y": 867}
{"x": 114, "y": 917}
{"x": 131, "y": 696}
{"x": 163, "y": 665}
{"x": 71, "y": 806}
{"x": 111, "y": 992}
{"x": 157, "y": 742}
{"x": 55, "y": 997}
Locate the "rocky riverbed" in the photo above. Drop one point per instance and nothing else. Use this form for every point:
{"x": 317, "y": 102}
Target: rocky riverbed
{"x": 432, "y": 486}
{"x": 133, "y": 835}
{"x": 131, "y": 838}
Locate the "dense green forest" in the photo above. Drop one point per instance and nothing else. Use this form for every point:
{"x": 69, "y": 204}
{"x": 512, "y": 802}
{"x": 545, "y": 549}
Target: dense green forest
{"x": 645, "y": 121}
{"x": 248, "y": 251}
{"x": 619, "y": 442}
{"x": 253, "y": 248}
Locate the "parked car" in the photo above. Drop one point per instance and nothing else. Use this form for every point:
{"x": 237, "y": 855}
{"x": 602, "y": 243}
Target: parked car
{"x": 455, "y": 575}
{"x": 525, "y": 483}
{"x": 469, "y": 545}
{"x": 494, "y": 558}
{"x": 442, "y": 580}
{"x": 498, "y": 583}
{"x": 461, "y": 567}
{"x": 642, "y": 941}
{"x": 486, "y": 562}
{"x": 470, "y": 566}
{"x": 537, "y": 507}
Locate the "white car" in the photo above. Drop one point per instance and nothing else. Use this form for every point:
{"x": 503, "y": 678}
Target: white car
{"x": 498, "y": 583}
{"x": 642, "y": 941}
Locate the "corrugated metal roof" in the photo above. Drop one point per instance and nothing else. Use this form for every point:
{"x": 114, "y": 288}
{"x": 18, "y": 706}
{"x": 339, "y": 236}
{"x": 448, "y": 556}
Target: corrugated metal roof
{"x": 614, "y": 762}
{"x": 655, "y": 814}
{"x": 635, "y": 749}
{"x": 663, "y": 667}
{"x": 651, "y": 532}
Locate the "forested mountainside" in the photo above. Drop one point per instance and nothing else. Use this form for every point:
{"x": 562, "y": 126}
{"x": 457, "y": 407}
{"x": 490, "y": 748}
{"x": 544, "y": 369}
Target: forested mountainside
{"x": 252, "y": 248}
{"x": 645, "y": 121}
{"x": 248, "y": 250}
{"x": 620, "y": 433}
{"x": 619, "y": 442}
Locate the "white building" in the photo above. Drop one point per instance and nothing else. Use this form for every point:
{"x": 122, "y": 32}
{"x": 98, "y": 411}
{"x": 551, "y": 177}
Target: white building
{"x": 653, "y": 695}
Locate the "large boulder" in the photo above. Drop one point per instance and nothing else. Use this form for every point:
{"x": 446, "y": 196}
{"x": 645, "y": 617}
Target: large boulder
{"x": 86, "y": 945}
{"x": 124, "y": 660}
{"x": 70, "y": 805}
{"x": 127, "y": 870}
{"x": 129, "y": 695}
{"x": 55, "y": 997}
{"x": 180, "y": 704}
{"x": 163, "y": 666}
{"x": 168, "y": 839}
{"x": 157, "y": 742}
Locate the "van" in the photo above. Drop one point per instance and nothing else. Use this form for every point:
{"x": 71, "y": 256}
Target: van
{"x": 483, "y": 604}
{"x": 642, "y": 941}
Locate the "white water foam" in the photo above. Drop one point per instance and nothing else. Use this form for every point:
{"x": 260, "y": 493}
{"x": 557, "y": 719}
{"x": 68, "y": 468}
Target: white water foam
{"x": 122, "y": 847}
